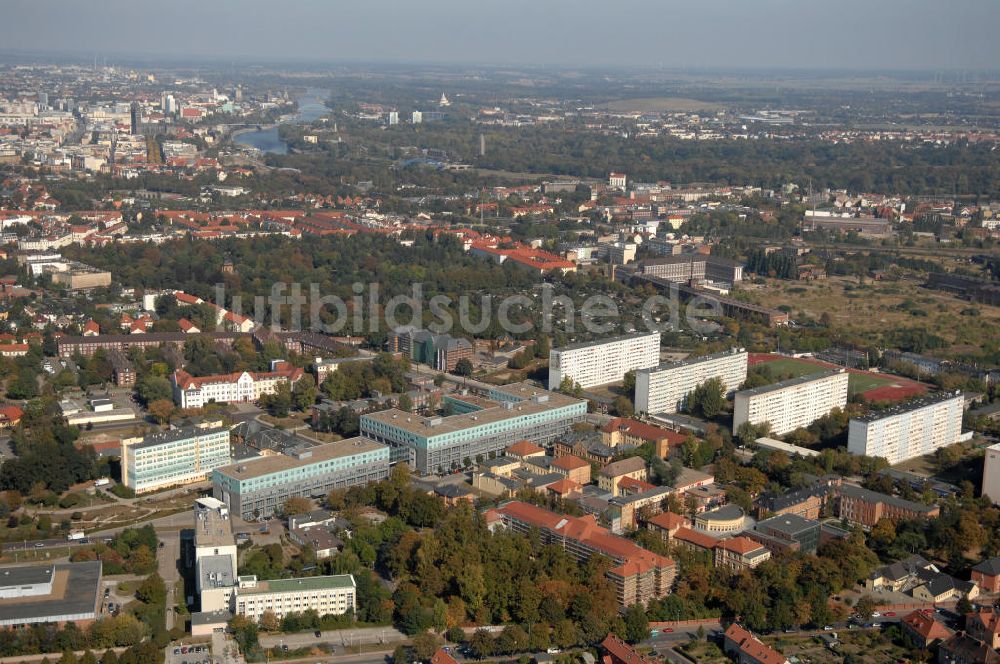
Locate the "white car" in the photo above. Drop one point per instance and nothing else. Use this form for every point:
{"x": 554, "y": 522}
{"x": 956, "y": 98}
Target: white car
{"x": 876, "y": 614}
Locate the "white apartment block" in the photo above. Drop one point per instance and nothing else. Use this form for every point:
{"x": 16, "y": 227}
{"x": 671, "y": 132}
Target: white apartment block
{"x": 175, "y": 457}
{"x": 241, "y": 386}
{"x": 991, "y": 473}
{"x": 793, "y": 403}
{"x": 603, "y": 362}
{"x": 908, "y": 430}
{"x": 327, "y": 595}
{"x": 665, "y": 389}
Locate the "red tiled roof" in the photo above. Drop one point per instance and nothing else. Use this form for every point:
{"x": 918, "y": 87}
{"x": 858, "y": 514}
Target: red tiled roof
{"x": 570, "y": 462}
{"x": 667, "y": 520}
{"x": 524, "y": 448}
{"x": 10, "y": 413}
{"x": 632, "y": 484}
{"x": 622, "y": 653}
{"x": 926, "y": 626}
{"x": 740, "y": 545}
{"x": 564, "y": 486}
{"x": 441, "y": 657}
{"x": 753, "y": 647}
{"x": 643, "y": 430}
{"x": 685, "y": 534}
{"x": 187, "y": 382}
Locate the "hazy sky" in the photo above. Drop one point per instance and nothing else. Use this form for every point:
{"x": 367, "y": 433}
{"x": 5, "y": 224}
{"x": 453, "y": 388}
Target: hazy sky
{"x": 852, "y": 34}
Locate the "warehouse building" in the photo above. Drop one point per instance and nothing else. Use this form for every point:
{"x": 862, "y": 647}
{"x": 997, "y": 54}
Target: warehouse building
{"x": 59, "y": 593}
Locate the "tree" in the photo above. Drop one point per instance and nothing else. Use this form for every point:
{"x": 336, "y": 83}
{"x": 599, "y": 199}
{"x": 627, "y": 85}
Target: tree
{"x": 152, "y": 388}
{"x": 405, "y": 402}
{"x": 636, "y": 624}
{"x": 424, "y": 646}
{"x": 963, "y": 607}
{"x": 622, "y": 406}
{"x": 304, "y": 392}
{"x": 152, "y": 590}
{"x": 865, "y": 607}
{"x": 296, "y": 505}
{"x": 628, "y": 384}
{"x": 481, "y": 644}
{"x": 162, "y": 410}
{"x": 279, "y": 402}
{"x": 269, "y": 621}
{"x": 463, "y": 367}
{"x": 708, "y": 398}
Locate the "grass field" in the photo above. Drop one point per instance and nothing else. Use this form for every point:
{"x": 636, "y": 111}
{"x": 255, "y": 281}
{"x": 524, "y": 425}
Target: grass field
{"x": 857, "y": 382}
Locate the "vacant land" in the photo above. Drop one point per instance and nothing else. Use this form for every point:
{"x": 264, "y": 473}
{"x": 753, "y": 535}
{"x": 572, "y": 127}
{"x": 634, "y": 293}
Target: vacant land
{"x": 662, "y": 105}
{"x": 875, "y": 310}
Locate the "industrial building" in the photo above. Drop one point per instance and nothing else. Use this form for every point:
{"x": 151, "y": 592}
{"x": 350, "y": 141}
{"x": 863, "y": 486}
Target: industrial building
{"x": 53, "y": 593}
{"x": 603, "y": 362}
{"x": 665, "y": 388}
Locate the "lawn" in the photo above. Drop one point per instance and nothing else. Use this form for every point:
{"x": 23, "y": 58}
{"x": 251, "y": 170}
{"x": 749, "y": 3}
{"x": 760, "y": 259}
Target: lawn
{"x": 857, "y": 382}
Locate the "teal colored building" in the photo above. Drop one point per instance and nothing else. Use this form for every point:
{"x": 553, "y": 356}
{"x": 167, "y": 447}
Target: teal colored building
{"x": 480, "y": 426}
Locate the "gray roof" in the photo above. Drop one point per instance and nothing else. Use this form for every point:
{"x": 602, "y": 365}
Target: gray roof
{"x": 80, "y": 597}
{"x": 210, "y": 617}
{"x": 873, "y": 496}
{"x": 909, "y": 406}
{"x": 989, "y": 567}
{"x": 791, "y": 382}
{"x": 601, "y": 342}
{"x": 28, "y": 575}
{"x": 216, "y": 571}
{"x": 789, "y": 524}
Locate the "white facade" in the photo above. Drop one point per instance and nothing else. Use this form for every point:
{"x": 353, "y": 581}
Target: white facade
{"x": 991, "y": 473}
{"x": 327, "y": 595}
{"x": 791, "y": 404}
{"x": 665, "y": 389}
{"x": 175, "y": 457}
{"x": 191, "y": 392}
{"x": 909, "y": 430}
{"x": 603, "y": 362}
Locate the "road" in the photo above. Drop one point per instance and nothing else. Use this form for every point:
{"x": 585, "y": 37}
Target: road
{"x": 167, "y": 560}
{"x": 337, "y": 637}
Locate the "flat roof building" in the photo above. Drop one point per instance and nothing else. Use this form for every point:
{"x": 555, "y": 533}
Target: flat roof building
{"x": 59, "y": 593}
{"x": 509, "y": 414}
{"x": 260, "y": 486}
{"x": 791, "y": 404}
{"x": 602, "y": 362}
{"x": 666, "y": 388}
{"x": 907, "y": 430}
{"x": 327, "y": 595}
{"x": 174, "y": 457}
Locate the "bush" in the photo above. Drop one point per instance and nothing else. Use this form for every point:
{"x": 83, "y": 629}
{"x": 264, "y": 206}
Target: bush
{"x": 122, "y": 491}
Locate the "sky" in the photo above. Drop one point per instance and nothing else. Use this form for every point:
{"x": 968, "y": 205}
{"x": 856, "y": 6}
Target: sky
{"x": 736, "y": 34}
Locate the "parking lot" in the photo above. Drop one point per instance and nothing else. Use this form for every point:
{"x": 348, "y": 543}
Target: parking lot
{"x": 188, "y": 654}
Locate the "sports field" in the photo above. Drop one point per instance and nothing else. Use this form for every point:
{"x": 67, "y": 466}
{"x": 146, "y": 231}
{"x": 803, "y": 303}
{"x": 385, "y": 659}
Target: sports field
{"x": 874, "y": 387}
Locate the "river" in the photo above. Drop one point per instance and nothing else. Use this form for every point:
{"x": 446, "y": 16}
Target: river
{"x": 311, "y": 107}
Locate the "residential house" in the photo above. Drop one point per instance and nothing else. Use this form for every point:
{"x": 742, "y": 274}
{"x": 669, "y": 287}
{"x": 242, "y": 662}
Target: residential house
{"x": 984, "y": 624}
{"x": 986, "y": 575}
{"x": 963, "y": 649}
{"x": 922, "y": 630}
{"x": 612, "y": 474}
{"x": 626, "y": 431}
{"x": 745, "y": 648}
{"x": 573, "y": 467}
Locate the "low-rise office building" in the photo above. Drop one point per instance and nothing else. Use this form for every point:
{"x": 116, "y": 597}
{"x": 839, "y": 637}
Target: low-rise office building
{"x": 787, "y": 533}
{"x": 259, "y": 487}
{"x": 505, "y": 415}
{"x": 174, "y": 457}
{"x": 911, "y": 429}
{"x": 791, "y": 404}
{"x": 602, "y": 362}
{"x": 326, "y": 595}
{"x": 666, "y": 388}
{"x": 740, "y": 553}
